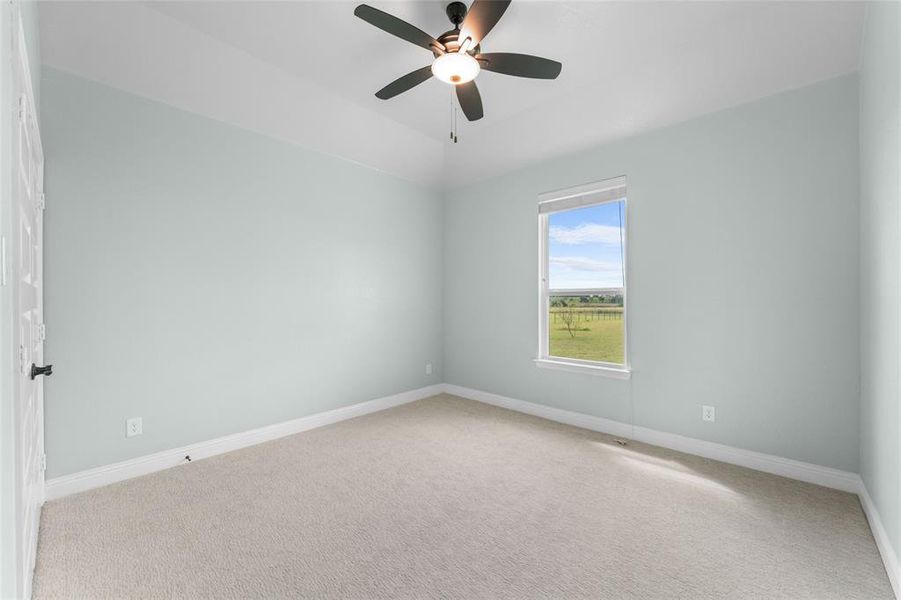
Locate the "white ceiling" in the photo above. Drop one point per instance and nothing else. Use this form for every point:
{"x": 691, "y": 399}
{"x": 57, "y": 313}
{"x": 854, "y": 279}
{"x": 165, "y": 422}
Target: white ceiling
{"x": 307, "y": 71}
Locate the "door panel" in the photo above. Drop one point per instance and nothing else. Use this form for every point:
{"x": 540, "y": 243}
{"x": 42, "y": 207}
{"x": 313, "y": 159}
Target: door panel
{"x": 25, "y": 278}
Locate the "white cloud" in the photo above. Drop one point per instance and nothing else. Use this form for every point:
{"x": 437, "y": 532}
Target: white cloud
{"x": 586, "y": 233}
{"x": 581, "y": 263}
{"x": 571, "y": 272}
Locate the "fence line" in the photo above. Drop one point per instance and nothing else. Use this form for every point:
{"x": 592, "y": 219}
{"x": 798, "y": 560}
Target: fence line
{"x": 591, "y": 315}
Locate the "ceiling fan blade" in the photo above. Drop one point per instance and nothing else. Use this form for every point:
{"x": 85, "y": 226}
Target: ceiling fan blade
{"x": 470, "y": 100}
{"x": 402, "y": 84}
{"x": 520, "y": 65}
{"x": 396, "y": 26}
{"x": 482, "y": 16}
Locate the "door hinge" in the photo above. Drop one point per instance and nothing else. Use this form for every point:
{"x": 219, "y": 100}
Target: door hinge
{"x": 42, "y": 201}
{"x": 23, "y": 358}
{"x": 23, "y": 104}
{"x": 43, "y": 462}
{"x": 42, "y": 332}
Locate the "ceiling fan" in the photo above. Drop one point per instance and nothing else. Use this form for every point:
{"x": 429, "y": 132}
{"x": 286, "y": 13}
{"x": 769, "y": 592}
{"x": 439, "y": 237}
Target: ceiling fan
{"x": 457, "y": 53}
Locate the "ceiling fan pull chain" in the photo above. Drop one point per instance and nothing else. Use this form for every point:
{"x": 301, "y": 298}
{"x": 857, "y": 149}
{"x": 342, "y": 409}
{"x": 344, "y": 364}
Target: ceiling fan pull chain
{"x": 453, "y": 132}
{"x": 452, "y": 114}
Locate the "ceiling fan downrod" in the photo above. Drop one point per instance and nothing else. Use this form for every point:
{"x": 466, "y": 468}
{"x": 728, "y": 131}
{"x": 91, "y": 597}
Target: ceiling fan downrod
{"x": 456, "y": 12}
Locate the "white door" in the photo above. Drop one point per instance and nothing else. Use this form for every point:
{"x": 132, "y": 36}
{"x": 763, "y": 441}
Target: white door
{"x": 24, "y": 257}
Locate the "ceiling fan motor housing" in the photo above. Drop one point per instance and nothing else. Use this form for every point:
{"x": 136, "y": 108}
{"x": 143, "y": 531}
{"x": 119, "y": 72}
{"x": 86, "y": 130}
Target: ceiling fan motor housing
{"x": 451, "y": 42}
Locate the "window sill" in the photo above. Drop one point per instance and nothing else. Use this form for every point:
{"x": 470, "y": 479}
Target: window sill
{"x": 562, "y": 365}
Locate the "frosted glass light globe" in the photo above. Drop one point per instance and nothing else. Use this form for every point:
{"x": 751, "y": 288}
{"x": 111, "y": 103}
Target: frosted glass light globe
{"x": 455, "y": 68}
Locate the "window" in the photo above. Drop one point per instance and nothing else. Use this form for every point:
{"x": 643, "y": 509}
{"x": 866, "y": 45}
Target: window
{"x": 582, "y": 318}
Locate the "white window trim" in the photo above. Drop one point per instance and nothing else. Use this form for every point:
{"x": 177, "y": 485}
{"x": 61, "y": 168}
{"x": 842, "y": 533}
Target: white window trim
{"x": 569, "y": 199}
{"x": 572, "y": 365}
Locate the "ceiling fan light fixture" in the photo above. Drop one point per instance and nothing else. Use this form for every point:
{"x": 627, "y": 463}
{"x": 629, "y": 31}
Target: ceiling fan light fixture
{"x": 455, "y": 68}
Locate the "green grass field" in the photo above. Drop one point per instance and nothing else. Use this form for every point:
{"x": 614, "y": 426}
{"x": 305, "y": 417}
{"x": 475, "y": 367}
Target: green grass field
{"x": 591, "y": 339}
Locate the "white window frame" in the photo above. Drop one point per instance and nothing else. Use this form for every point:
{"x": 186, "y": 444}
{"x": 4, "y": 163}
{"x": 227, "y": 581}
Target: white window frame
{"x": 591, "y": 194}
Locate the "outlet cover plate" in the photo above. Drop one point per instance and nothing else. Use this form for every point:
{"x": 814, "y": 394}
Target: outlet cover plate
{"x": 134, "y": 427}
{"x": 708, "y": 413}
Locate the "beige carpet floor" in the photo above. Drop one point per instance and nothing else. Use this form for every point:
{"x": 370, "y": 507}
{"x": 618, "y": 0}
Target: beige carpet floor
{"x": 448, "y": 498}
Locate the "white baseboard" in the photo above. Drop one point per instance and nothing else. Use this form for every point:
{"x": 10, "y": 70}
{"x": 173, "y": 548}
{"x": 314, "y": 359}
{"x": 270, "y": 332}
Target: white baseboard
{"x": 545, "y": 412}
{"x": 100, "y": 476}
{"x": 889, "y": 557}
{"x": 794, "y": 469}
{"x": 845, "y": 481}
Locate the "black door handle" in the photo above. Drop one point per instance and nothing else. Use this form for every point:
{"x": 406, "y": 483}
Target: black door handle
{"x": 36, "y": 370}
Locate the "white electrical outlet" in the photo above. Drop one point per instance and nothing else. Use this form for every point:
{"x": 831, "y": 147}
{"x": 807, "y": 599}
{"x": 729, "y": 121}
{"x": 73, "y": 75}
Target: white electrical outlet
{"x": 708, "y": 413}
{"x": 134, "y": 427}
{"x": 428, "y": 368}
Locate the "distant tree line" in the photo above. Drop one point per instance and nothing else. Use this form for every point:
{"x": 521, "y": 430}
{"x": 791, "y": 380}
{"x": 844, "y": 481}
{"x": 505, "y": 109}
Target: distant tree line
{"x": 563, "y": 301}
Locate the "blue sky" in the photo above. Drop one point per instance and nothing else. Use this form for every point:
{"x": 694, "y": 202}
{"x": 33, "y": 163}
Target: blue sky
{"x": 584, "y": 247}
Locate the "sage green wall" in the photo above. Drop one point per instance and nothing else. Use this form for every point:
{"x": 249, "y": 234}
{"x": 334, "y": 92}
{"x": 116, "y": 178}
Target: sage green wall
{"x": 212, "y": 280}
{"x": 880, "y": 263}
{"x": 743, "y": 278}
